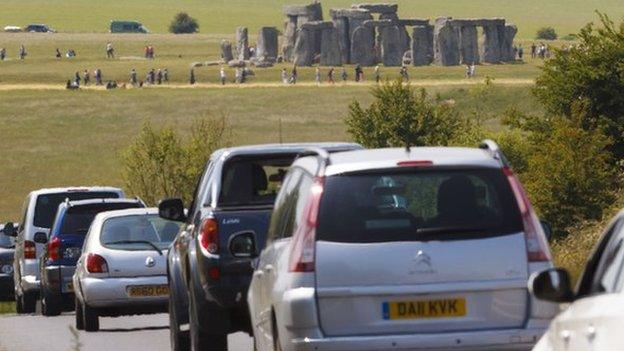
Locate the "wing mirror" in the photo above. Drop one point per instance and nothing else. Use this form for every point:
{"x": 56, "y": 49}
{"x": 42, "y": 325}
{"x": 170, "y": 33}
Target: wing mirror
{"x": 10, "y": 229}
{"x": 551, "y": 285}
{"x": 243, "y": 245}
{"x": 40, "y": 238}
{"x": 172, "y": 209}
{"x": 547, "y": 229}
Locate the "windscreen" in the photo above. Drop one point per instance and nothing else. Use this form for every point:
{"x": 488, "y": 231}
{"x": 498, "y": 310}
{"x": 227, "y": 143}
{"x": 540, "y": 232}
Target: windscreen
{"x": 77, "y": 219}
{"x": 253, "y": 181}
{"x": 47, "y": 205}
{"x": 138, "y": 232}
{"x": 410, "y": 205}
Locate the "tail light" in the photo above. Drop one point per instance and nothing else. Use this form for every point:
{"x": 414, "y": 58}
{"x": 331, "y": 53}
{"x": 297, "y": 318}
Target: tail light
{"x": 96, "y": 264}
{"x": 302, "y": 257}
{"x": 54, "y": 247}
{"x": 209, "y": 236}
{"x": 536, "y": 243}
{"x": 30, "y": 249}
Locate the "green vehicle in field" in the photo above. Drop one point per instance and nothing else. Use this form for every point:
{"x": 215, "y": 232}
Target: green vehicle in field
{"x": 118, "y": 26}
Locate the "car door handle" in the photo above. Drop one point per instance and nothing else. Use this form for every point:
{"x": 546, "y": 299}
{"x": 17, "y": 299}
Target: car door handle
{"x": 565, "y": 335}
{"x": 268, "y": 268}
{"x": 591, "y": 332}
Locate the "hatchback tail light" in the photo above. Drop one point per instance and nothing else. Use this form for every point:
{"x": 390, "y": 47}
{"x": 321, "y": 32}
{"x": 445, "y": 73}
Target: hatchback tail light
{"x": 209, "y": 236}
{"x": 96, "y": 264}
{"x": 302, "y": 257}
{"x": 54, "y": 246}
{"x": 30, "y": 249}
{"x": 536, "y": 243}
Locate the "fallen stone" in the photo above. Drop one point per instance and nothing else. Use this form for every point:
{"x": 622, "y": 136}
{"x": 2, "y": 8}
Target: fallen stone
{"x": 237, "y": 63}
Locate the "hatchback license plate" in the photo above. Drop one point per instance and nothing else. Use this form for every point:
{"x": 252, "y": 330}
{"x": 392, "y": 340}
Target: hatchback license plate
{"x": 148, "y": 290}
{"x": 421, "y": 309}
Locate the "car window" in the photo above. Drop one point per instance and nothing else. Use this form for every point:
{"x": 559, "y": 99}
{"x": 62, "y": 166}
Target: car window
{"x": 136, "y": 232}
{"x": 6, "y": 241}
{"x": 78, "y": 219}
{"x": 281, "y": 216}
{"x": 404, "y": 205}
{"x": 47, "y": 204}
{"x": 607, "y": 277}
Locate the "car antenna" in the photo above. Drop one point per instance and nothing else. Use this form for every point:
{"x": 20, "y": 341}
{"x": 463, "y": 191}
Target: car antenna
{"x": 408, "y": 147}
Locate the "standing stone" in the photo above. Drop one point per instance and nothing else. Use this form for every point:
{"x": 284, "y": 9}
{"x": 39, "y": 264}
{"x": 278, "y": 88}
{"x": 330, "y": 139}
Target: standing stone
{"x": 507, "y": 51}
{"x": 422, "y": 45}
{"x": 242, "y": 43}
{"x": 362, "y": 43}
{"x": 469, "y": 45}
{"x": 392, "y": 46}
{"x": 330, "y": 48}
{"x": 493, "y": 35}
{"x": 267, "y": 44}
{"x": 344, "y": 41}
{"x": 445, "y": 42}
{"x": 290, "y": 37}
{"x": 226, "y": 51}
{"x": 304, "y": 47}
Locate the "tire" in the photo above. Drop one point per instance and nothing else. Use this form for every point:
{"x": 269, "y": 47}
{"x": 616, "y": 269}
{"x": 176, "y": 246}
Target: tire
{"x": 29, "y": 302}
{"x": 179, "y": 339}
{"x": 198, "y": 337}
{"x": 51, "y": 304}
{"x": 90, "y": 319}
{"x": 79, "y": 315}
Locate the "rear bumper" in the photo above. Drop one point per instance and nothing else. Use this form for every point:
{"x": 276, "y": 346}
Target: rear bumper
{"x": 59, "y": 279}
{"x": 112, "y": 292}
{"x": 513, "y": 339}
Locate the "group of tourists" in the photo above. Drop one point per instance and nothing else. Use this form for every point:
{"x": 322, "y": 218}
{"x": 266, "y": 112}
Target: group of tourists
{"x": 85, "y": 79}
{"x": 22, "y": 53}
{"x": 540, "y": 50}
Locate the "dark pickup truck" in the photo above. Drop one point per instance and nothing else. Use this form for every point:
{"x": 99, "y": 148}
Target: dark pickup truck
{"x": 210, "y": 263}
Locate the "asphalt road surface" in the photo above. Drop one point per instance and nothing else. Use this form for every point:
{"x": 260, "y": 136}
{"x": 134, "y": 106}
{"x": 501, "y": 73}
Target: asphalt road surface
{"x": 136, "y": 333}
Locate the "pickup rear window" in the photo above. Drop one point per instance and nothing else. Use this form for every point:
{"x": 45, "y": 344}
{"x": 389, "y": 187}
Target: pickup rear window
{"x": 414, "y": 205}
{"x": 77, "y": 219}
{"x": 47, "y": 205}
{"x": 253, "y": 181}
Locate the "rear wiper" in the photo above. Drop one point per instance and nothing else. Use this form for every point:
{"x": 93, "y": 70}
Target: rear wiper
{"x": 136, "y": 242}
{"x": 450, "y": 230}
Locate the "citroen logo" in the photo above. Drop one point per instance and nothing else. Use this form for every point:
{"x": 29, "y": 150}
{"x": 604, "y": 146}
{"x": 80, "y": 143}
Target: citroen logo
{"x": 150, "y": 262}
{"x": 422, "y": 259}
{"x": 422, "y": 264}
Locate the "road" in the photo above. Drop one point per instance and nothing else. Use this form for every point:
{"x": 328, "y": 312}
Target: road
{"x": 137, "y": 333}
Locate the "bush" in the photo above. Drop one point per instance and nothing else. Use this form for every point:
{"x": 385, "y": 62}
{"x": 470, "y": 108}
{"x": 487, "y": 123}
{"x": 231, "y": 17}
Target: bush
{"x": 570, "y": 37}
{"x": 402, "y": 116}
{"x": 158, "y": 164}
{"x": 183, "y": 24}
{"x": 546, "y": 33}
{"x": 589, "y": 76}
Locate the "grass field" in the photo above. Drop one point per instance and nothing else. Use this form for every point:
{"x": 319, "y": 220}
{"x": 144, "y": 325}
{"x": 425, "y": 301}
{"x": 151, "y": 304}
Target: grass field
{"x": 223, "y": 16}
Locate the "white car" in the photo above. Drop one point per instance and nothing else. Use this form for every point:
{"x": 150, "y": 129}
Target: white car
{"x": 593, "y": 320}
{"x": 12, "y": 29}
{"x": 123, "y": 266}
{"x": 387, "y": 249}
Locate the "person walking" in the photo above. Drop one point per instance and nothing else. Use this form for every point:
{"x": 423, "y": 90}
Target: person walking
{"x": 110, "y": 51}
{"x": 192, "y": 77}
{"x": 520, "y": 52}
{"x": 330, "y": 76}
{"x": 77, "y": 79}
{"x": 166, "y": 75}
{"x": 159, "y": 76}
{"x": 87, "y": 77}
{"x": 237, "y": 76}
{"x": 533, "y": 50}
{"x": 222, "y": 75}
{"x": 317, "y": 76}
{"x": 344, "y": 75}
{"x": 58, "y": 54}
{"x": 133, "y": 77}
{"x": 2, "y": 54}
{"x": 294, "y": 75}
{"x": 467, "y": 75}
{"x": 359, "y": 73}
{"x": 284, "y": 76}
{"x": 473, "y": 70}
{"x": 404, "y": 74}
{"x": 22, "y": 52}
{"x": 152, "y": 76}
{"x": 98, "y": 76}
{"x": 377, "y": 74}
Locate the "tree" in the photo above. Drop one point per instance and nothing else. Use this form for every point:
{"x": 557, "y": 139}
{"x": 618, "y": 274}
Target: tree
{"x": 590, "y": 75}
{"x": 183, "y": 24}
{"x": 546, "y": 33}
{"x": 158, "y": 164}
{"x": 402, "y": 116}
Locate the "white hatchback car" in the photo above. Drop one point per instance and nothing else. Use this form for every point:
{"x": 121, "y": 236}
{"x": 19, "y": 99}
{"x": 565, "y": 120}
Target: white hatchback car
{"x": 388, "y": 249}
{"x": 123, "y": 266}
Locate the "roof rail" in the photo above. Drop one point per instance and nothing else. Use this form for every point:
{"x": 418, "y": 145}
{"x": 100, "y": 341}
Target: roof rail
{"x": 321, "y": 154}
{"x": 495, "y": 151}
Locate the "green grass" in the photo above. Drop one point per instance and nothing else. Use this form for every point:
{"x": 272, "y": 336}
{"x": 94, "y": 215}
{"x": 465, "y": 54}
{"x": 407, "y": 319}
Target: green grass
{"x": 7, "y": 307}
{"x": 63, "y": 138}
{"x": 223, "y": 16}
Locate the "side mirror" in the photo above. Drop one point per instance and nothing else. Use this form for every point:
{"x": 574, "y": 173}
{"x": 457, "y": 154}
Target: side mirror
{"x": 547, "y": 229}
{"x": 40, "y": 238}
{"x": 243, "y": 245}
{"x": 172, "y": 209}
{"x": 9, "y": 229}
{"x": 551, "y": 285}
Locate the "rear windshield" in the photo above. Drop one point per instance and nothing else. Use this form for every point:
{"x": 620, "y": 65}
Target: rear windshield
{"x": 77, "y": 220}
{"x": 47, "y": 205}
{"x": 417, "y": 205}
{"x": 6, "y": 241}
{"x": 138, "y": 232}
{"x": 253, "y": 181}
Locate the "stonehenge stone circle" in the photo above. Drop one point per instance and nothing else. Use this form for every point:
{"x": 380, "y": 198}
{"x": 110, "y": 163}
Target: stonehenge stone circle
{"x": 226, "y": 51}
{"x": 298, "y": 15}
{"x": 242, "y": 43}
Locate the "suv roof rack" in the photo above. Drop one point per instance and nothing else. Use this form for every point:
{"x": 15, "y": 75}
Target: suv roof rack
{"x": 495, "y": 151}
{"x": 321, "y": 154}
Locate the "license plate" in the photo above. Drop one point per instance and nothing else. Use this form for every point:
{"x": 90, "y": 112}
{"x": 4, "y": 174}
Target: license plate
{"x": 148, "y": 290}
{"x": 422, "y": 309}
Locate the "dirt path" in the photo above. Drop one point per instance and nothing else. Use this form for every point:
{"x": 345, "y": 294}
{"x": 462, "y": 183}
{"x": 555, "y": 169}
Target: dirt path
{"x": 423, "y": 83}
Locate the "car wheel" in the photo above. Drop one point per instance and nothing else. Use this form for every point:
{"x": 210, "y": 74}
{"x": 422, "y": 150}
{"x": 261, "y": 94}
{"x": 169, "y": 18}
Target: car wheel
{"x": 179, "y": 339}
{"x": 90, "y": 319}
{"x": 199, "y": 338}
{"x": 29, "y": 302}
{"x": 79, "y": 315}
{"x": 50, "y": 303}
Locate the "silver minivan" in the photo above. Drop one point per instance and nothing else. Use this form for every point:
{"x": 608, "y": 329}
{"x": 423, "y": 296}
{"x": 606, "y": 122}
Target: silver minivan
{"x": 418, "y": 248}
